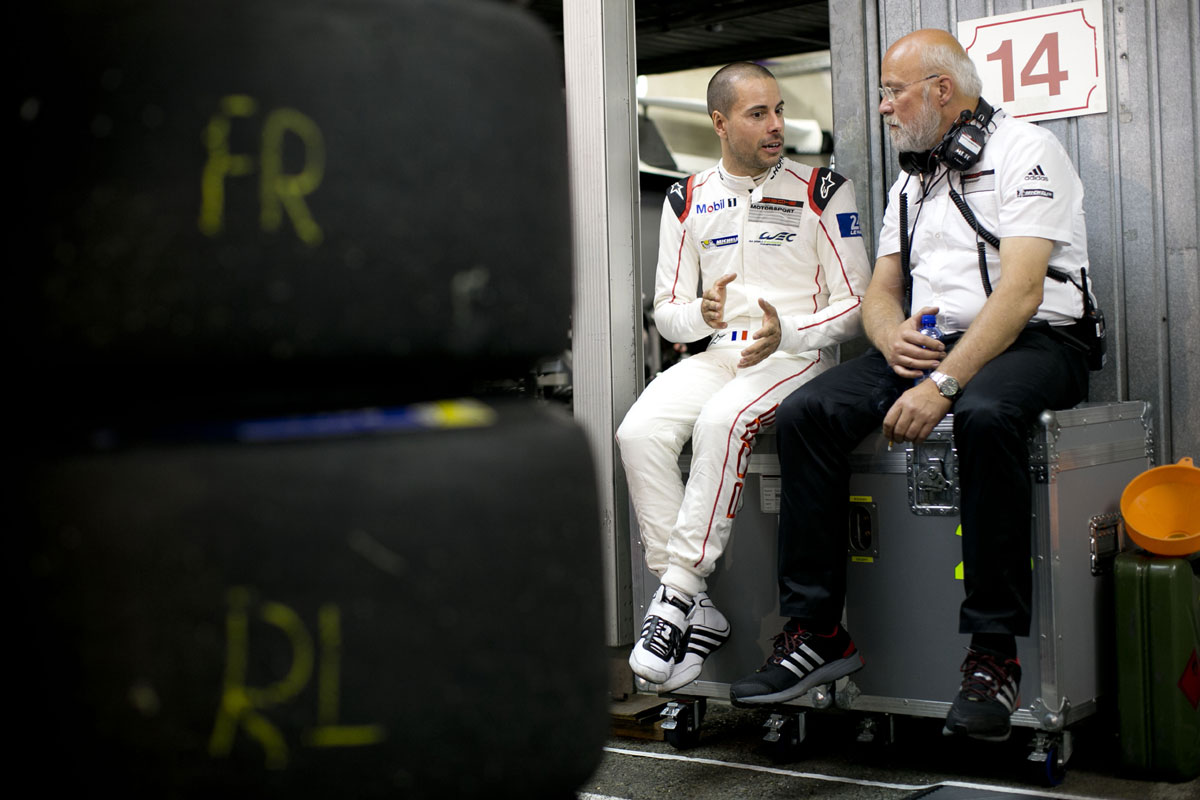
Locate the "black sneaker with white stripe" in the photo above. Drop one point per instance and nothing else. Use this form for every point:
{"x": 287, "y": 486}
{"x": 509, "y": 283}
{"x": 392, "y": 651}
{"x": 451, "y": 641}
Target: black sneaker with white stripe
{"x": 987, "y": 699}
{"x": 801, "y": 660}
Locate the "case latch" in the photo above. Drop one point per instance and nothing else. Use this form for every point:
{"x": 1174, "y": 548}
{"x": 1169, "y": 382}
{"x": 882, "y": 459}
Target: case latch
{"x": 1104, "y": 535}
{"x": 933, "y": 476}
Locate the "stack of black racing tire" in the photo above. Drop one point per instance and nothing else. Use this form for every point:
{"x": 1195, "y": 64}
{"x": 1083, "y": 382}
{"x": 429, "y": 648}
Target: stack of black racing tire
{"x": 271, "y": 537}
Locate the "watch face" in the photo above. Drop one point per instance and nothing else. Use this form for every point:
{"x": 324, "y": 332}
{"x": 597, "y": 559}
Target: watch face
{"x": 946, "y": 385}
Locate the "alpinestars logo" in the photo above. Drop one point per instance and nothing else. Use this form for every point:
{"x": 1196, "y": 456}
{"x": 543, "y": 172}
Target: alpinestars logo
{"x": 826, "y": 185}
{"x": 1036, "y": 174}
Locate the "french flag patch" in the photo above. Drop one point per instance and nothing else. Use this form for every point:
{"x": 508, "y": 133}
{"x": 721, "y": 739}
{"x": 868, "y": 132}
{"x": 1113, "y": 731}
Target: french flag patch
{"x": 739, "y": 336}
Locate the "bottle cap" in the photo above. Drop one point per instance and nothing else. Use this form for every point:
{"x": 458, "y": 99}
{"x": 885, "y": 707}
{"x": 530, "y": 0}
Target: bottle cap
{"x": 929, "y": 320}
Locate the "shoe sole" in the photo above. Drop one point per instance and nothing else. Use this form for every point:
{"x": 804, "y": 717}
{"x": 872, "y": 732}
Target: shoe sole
{"x": 982, "y": 737}
{"x": 825, "y": 674}
{"x": 680, "y": 678}
{"x": 648, "y": 673}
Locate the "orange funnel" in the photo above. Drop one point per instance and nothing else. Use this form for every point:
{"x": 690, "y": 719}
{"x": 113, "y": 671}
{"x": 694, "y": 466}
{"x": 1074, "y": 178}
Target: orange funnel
{"x": 1161, "y": 508}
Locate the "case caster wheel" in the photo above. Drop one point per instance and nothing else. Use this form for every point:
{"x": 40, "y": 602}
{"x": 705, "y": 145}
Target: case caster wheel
{"x": 876, "y": 731}
{"x": 1048, "y": 758}
{"x": 681, "y": 722}
{"x": 823, "y": 696}
{"x": 785, "y": 733}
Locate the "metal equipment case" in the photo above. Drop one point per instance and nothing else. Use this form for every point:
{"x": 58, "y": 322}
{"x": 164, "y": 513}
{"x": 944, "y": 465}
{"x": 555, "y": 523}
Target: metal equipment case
{"x": 904, "y": 573}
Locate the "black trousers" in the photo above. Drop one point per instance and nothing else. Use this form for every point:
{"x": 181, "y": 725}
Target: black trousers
{"x": 820, "y": 423}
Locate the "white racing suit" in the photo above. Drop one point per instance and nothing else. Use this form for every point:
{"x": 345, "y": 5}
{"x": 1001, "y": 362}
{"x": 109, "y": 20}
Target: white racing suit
{"x": 793, "y": 240}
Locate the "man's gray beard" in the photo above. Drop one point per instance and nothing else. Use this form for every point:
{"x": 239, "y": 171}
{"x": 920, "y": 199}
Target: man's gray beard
{"x": 921, "y": 134}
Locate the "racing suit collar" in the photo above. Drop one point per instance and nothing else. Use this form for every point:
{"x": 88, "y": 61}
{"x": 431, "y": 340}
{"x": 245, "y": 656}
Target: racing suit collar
{"x": 744, "y": 183}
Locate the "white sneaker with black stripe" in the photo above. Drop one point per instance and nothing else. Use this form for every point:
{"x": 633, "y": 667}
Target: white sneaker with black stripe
{"x": 707, "y": 630}
{"x": 654, "y": 653}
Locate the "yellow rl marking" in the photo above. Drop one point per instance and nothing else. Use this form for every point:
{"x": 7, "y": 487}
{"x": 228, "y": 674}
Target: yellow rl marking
{"x": 278, "y": 191}
{"x": 241, "y": 705}
{"x": 328, "y": 732}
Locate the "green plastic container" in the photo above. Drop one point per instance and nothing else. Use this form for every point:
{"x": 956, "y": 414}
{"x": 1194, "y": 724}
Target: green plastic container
{"x": 1158, "y": 664}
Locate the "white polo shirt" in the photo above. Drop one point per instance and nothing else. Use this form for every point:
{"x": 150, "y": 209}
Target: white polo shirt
{"x": 1024, "y": 185}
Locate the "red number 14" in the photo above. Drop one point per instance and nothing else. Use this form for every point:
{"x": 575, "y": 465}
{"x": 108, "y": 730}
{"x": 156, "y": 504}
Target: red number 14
{"x": 1054, "y": 76}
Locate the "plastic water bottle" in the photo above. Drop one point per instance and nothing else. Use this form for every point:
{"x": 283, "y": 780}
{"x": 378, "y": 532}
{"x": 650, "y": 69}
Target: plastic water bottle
{"x": 929, "y": 328}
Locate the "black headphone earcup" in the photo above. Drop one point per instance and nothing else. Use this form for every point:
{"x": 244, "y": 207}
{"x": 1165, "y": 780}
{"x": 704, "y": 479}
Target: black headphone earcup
{"x": 964, "y": 148}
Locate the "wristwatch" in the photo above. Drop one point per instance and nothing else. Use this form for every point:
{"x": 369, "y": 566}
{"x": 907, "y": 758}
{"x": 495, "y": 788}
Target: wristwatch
{"x": 948, "y": 387}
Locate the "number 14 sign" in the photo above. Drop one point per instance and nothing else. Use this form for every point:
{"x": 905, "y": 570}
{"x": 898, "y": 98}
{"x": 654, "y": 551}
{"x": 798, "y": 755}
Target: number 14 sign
{"x": 1041, "y": 63}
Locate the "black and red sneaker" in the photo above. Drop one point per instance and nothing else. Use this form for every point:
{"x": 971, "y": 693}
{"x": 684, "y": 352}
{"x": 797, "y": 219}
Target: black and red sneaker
{"x": 987, "y": 698}
{"x": 801, "y": 660}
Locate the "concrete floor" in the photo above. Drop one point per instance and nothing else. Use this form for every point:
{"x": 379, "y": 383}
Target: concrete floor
{"x": 730, "y": 761}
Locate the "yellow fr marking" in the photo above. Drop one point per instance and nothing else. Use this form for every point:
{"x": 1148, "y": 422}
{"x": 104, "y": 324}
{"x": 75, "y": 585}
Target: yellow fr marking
{"x": 278, "y": 191}
{"x": 221, "y": 162}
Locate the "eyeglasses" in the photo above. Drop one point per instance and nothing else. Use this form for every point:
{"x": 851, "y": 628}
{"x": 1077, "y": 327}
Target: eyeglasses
{"x": 889, "y": 92}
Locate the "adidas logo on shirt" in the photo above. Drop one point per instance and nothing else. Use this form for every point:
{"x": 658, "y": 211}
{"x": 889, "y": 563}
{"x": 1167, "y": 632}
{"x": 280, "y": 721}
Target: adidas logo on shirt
{"x": 1036, "y": 174}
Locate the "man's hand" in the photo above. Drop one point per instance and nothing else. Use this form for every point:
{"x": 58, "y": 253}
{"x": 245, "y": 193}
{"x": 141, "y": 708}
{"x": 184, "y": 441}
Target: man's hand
{"x": 712, "y": 304}
{"x": 910, "y": 352}
{"x": 915, "y": 413}
{"x": 768, "y": 337}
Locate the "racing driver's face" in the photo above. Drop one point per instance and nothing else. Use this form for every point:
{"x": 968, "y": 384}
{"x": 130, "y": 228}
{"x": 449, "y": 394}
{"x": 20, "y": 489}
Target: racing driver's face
{"x": 752, "y": 134}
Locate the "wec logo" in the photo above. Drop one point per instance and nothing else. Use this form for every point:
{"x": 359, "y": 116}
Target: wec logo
{"x": 773, "y": 238}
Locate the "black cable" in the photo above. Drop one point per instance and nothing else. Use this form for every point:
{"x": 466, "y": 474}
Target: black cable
{"x": 904, "y": 247}
{"x": 906, "y": 237}
{"x": 969, "y": 216}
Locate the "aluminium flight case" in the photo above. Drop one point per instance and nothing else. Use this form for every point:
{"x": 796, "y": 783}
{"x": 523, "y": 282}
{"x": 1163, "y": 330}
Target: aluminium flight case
{"x": 904, "y": 573}
{"x": 904, "y": 578}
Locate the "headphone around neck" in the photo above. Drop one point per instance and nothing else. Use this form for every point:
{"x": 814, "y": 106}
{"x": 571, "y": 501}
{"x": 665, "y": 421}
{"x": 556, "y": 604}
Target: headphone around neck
{"x": 961, "y": 147}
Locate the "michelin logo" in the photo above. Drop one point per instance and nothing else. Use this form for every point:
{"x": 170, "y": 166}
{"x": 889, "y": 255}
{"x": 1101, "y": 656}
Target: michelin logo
{"x": 720, "y": 241}
{"x": 848, "y": 225}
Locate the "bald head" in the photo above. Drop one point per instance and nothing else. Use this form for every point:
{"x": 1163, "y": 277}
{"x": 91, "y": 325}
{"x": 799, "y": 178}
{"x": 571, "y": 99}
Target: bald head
{"x": 722, "y": 87}
{"x": 931, "y": 51}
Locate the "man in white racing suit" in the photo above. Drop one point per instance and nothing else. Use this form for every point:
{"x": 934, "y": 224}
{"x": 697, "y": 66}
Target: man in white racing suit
{"x": 777, "y": 248}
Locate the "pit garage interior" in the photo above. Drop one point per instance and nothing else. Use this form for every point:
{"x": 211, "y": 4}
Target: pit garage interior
{"x": 266, "y": 548}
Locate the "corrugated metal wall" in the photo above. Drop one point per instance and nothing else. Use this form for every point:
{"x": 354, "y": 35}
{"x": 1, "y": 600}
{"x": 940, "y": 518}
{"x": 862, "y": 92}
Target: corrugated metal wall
{"x": 1138, "y": 163}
